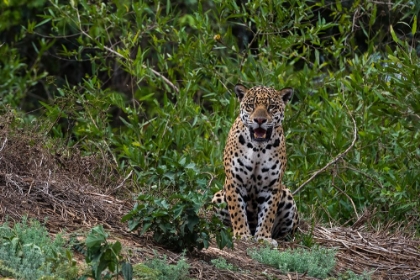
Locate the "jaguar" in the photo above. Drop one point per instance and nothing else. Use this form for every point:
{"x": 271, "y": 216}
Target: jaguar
{"x": 258, "y": 205}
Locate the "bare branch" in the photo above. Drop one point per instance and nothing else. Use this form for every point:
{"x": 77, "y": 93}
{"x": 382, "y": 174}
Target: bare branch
{"x": 337, "y": 158}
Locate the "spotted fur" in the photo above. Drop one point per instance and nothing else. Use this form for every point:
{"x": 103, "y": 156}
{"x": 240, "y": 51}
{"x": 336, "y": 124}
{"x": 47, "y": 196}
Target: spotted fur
{"x": 254, "y": 161}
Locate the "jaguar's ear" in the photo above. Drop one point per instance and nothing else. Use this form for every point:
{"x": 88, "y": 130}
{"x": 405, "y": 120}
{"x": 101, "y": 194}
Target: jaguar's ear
{"x": 286, "y": 94}
{"x": 240, "y": 91}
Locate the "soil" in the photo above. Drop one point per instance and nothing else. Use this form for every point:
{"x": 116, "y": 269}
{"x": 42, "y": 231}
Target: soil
{"x": 76, "y": 192}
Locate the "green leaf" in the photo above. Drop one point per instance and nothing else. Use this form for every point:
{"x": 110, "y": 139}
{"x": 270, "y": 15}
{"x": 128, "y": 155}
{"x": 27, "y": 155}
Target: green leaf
{"x": 373, "y": 15}
{"x": 43, "y": 22}
{"x": 145, "y": 227}
{"x": 147, "y": 97}
{"x": 127, "y": 271}
{"x": 394, "y": 36}
{"x": 133, "y": 224}
{"x": 101, "y": 266}
{"x": 178, "y": 210}
{"x": 116, "y": 247}
{"x": 414, "y": 27}
{"x": 96, "y": 237}
{"x": 192, "y": 222}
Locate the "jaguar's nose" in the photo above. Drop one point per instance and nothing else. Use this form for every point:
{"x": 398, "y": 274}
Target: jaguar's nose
{"x": 260, "y": 120}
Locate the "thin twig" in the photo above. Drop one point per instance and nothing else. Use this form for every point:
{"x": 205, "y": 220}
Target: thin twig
{"x": 364, "y": 174}
{"x": 348, "y": 197}
{"x": 4, "y": 144}
{"x": 248, "y": 49}
{"x": 211, "y": 178}
{"x": 335, "y": 159}
{"x": 123, "y": 181}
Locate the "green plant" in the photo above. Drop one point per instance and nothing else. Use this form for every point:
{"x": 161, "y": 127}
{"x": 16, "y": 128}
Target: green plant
{"x": 27, "y": 252}
{"x": 350, "y": 275}
{"x": 221, "y": 263}
{"x": 305, "y": 238}
{"x": 143, "y": 272}
{"x": 317, "y": 262}
{"x": 160, "y": 269}
{"x": 102, "y": 255}
{"x": 176, "y": 222}
{"x": 147, "y": 85}
{"x": 6, "y": 270}
{"x": 178, "y": 106}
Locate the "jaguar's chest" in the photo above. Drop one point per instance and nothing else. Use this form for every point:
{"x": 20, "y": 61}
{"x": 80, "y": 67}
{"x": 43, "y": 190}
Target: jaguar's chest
{"x": 258, "y": 165}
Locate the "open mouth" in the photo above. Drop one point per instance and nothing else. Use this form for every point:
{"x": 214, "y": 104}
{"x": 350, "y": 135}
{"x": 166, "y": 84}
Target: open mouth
{"x": 260, "y": 134}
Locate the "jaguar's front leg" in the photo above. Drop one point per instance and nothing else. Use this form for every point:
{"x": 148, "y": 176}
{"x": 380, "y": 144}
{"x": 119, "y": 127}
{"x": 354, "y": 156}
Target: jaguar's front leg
{"x": 267, "y": 209}
{"x": 237, "y": 209}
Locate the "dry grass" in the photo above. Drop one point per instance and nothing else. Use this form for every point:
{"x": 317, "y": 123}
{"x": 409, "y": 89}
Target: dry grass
{"x": 388, "y": 255}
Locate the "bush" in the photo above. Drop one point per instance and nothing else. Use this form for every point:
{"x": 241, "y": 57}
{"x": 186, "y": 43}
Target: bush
{"x": 350, "y": 275}
{"x": 221, "y": 263}
{"x": 102, "y": 256}
{"x": 157, "y": 268}
{"x": 176, "y": 222}
{"x": 317, "y": 262}
{"x": 27, "y": 252}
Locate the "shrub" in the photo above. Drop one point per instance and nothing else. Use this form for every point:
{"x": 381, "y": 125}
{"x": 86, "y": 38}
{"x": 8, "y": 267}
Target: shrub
{"x": 317, "y": 262}
{"x": 157, "y": 268}
{"x": 350, "y": 275}
{"x": 176, "y": 222}
{"x": 221, "y": 263}
{"x": 104, "y": 256}
{"x": 27, "y": 252}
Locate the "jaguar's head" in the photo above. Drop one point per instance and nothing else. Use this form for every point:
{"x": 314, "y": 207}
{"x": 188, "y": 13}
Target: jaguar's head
{"x": 262, "y": 109}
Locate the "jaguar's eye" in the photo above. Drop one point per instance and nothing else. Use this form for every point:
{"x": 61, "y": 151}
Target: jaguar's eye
{"x": 271, "y": 107}
{"x": 250, "y": 106}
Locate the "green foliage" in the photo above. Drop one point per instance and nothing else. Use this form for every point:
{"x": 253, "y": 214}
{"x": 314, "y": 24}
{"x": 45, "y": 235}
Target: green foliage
{"x": 379, "y": 170}
{"x": 176, "y": 222}
{"x": 143, "y": 272}
{"x": 350, "y": 275}
{"x": 17, "y": 77}
{"x": 102, "y": 255}
{"x": 306, "y": 238}
{"x": 6, "y": 270}
{"x": 148, "y": 85}
{"x": 221, "y": 263}
{"x": 27, "y": 252}
{"x": 317, "y": 262}
{"x": 157, "y": 268}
